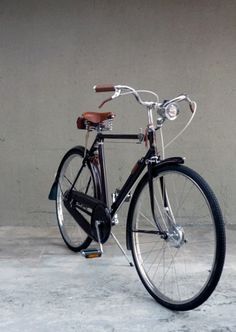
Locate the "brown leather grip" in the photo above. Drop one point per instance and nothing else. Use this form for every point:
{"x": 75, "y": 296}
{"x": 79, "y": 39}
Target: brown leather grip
{"x": 104, "y": 88}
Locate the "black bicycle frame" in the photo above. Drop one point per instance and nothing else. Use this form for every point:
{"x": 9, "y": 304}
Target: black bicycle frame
{"x": 134, "y": 175}
{"x": 95, "y": 156}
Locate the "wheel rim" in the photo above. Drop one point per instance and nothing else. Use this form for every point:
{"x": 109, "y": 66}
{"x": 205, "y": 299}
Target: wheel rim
{"x": 175, "y": 271}
{"x": 71, "y": 231}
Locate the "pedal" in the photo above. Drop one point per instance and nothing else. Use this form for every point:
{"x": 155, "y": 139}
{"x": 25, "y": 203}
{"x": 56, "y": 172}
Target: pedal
{"x": 94, "y": 252}
{"x": 91, "y": 253}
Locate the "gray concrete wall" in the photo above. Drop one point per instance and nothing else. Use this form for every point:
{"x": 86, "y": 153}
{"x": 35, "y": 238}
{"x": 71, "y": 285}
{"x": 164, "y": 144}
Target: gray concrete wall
{"x": 53, "y": 52}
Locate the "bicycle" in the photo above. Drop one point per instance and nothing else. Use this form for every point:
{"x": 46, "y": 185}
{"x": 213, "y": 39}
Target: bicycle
{"x": 174, "y": 229}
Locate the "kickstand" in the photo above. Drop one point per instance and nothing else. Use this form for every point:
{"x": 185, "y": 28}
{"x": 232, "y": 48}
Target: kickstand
{"x": 122, "y": 250}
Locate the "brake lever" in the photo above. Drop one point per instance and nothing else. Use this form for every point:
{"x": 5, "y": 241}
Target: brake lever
{"x": 193, "y": 106}
{"x": 116, "y": 94}
{"x": 104, "y": 102}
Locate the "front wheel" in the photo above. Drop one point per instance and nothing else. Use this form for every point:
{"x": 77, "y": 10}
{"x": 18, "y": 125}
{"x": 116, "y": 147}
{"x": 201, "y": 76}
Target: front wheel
{"x": 181, "y": 269}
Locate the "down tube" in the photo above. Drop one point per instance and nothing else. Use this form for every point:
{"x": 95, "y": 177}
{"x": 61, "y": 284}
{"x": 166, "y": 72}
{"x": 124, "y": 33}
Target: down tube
{"x": 135, "y": 173}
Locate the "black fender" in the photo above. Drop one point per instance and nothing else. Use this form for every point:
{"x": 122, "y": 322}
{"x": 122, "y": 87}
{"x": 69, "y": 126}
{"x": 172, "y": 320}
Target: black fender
{"x": 165, "y": 162}
{"x": 94, "y": 169}
{"x": 81, "y": 149}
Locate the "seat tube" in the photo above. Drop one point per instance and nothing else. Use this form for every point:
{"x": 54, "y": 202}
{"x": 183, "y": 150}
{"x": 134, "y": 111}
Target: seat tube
{"x": 102, "y": 163}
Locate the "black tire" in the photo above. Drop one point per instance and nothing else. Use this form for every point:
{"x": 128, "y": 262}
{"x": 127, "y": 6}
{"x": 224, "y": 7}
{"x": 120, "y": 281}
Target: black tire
{"x": 182, "y": 271}
{"x": 74, "y": 237}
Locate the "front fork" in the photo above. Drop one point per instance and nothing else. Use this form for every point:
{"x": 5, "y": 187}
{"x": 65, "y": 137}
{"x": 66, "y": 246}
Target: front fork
{"x": 152, "y": 197}
{"x": 173, "y": 233}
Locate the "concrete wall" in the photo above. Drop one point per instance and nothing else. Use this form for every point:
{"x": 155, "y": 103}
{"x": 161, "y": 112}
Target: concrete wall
{"x": 53, "y": 52}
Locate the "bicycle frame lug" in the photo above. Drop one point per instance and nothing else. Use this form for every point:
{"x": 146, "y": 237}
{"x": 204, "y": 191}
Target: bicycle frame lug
{"x": 153, "y": 160}
{"x": 115, "y": 220}
{"x": 160, "y": 122}
{"x": 116, "y": 193}
{"x": 141, "y": 137}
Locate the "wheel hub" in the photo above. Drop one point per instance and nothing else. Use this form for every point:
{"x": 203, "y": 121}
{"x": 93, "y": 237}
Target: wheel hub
{"x": 176, "y": 237}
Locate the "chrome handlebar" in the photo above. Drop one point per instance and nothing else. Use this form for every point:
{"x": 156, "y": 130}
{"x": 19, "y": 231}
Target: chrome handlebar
{"x": 121, "y": 90}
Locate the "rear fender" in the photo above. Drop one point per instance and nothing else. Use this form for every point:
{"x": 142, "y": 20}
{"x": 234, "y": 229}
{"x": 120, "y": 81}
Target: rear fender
{"x": 53, "y": 191}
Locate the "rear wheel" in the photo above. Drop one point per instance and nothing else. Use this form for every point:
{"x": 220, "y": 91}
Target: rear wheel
{"x": 73, "y": 235}
{"x": 182, "y": 269}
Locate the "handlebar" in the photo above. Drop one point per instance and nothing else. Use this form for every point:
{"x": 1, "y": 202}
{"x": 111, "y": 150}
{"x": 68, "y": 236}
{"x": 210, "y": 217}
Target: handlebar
{"x": 167, "y": 109}
{"x": 121, "y": 90}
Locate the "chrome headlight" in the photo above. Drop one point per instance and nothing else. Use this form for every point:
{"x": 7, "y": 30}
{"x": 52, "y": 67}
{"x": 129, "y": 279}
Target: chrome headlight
{"x": 171, "y": 111}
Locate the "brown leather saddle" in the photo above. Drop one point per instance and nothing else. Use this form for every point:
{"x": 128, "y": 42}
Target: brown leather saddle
{"x": 93, "y": 119}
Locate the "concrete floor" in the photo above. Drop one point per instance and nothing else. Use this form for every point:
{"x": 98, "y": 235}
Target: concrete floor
{"x": 45, "y": 287}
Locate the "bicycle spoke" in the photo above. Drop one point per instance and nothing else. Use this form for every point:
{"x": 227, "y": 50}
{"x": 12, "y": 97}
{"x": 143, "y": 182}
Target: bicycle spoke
{"x": 150, "y": 222}
{"x": 87, "y": 188}
{"x": 71, "y": 175}
{"x": 68, "y": 180}
{"x": 175, "y": 269}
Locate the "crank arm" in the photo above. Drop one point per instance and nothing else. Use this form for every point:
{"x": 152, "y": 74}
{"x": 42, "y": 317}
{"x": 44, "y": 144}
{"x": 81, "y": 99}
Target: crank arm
{"x": 79, "y": 218}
